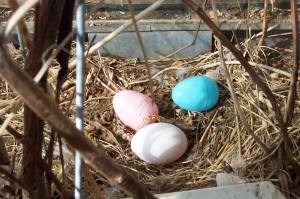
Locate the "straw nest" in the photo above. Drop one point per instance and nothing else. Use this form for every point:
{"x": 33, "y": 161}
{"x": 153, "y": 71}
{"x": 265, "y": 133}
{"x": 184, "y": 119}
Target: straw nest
{"x": 217, "y": 141}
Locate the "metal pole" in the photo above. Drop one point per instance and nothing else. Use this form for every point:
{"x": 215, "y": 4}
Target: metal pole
{"x": 79, "y": 90}
{"x": 22, "y": 47}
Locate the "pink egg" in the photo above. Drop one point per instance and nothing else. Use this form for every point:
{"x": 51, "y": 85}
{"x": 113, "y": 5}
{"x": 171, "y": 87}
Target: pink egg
{"x": 134, "y": 108}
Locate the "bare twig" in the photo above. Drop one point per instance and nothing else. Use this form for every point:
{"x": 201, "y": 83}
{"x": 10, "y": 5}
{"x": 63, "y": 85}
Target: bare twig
{"x": 190, "y": 44}
{"x": 236, "y": 40}
{"x": 91, "y": 181}
{"x": 13, "y": 179}
{"x": 4, "y": 159}
{"x": 292, "y": 93}
{"x": 289, "y": 112}
{"x": 255, "y": 78}
{"x": 231, "y": 87}
{"x": 121, "y": 29}
{"x": 45, "y": 107}
{"x": 21, "y": 25}
{"x": 211, "y": 65}
{"x": 142, "y": 47}
{"x": 18, "y": 15}
{"x": 38, "y": 158}
{"x": 265, "y": 25}
{"x": 46, "y": 64}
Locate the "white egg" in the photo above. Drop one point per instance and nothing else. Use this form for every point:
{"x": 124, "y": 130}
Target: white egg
{"x": 159, "y": 143}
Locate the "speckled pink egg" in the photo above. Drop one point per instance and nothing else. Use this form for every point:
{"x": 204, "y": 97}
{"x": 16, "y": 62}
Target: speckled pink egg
{"x": 134, "y": 108}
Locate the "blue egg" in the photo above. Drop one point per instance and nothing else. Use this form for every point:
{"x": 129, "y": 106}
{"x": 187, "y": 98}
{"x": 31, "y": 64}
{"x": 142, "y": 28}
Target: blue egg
{"x": 198, "y": 93}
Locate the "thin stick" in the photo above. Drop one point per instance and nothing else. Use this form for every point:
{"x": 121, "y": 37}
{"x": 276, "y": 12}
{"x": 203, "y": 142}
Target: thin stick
{"x": 46, "y": 108}
{"x": 211, "y": 65}
{"x": 265, "y": 25}
{"x": 255, "y": 78}
{"x": 293, "y": 88}
{"x": 13, "y": 4}
{"x": 37, "y": 78}
{"x": 38, "y": 158}
{"x": 268, "y": 30}
{"x": 13, "y": 179}
{"x": 143, "y": 48}
{"x": 291, "y": 99}
{"x": 184, "y": 47}
{"x": 18, "y": 15}
{"x": 119, "y": 30}
{"x": 231, "y": 87}
{"x": 236, "y": 40}
{"x": 94, "y": 186}
{"x": 189, "y": 45}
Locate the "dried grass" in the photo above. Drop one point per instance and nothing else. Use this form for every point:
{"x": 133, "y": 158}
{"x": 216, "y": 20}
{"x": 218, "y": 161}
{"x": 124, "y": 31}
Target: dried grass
{"x": 217, "y": 140}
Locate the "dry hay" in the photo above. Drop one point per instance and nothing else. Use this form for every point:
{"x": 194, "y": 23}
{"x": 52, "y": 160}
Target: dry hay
{"x": 216, "y": 138}
{"x": 217, "y": 141}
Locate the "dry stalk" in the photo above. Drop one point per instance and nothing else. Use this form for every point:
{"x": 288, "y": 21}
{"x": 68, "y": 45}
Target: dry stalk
{"x": 255, "y": 78}
{"x": 291, "y": 96}
{"x": 211, "y": 65}
{"x": 268, "y": 30}
{"x": 119, "y": 30}
{"x": 18, "y": 15}
{"x": 293, "y": 87}
{"x": 37, "y": 156}
{"x": 4, "y": 159}
{"x": 64, "y": 30}
{"x": 231, "y": 87}
{"x": 265, "y": 25}
{"x": 46, "y": 64}
{"x": 92, "y": 183}
{"x": 189, "y": 45}
{"x": 13, "y": 4}
{"x": 45, "y": 107}
{"x": 143, "y": 49}
{"x": 12, "y": 178}
{"x": 184, "y": 47}
{"x": 237, "y": 40}
{"x": 11, "y": 115}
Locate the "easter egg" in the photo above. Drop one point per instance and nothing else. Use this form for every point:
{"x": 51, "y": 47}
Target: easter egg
{"x": 198, "y": 93}
{"x": 134, "y": 108}
{"x": 159, "y": 143}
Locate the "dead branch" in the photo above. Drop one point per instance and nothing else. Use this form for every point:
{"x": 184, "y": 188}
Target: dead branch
{"x": 8, "y": 176}
{"x": 45, "y": 107}
{"x": 119, "y": 30}
{"x": 4, "y": 159}
{"x": 190, "y": 44}
{"x": 231, "y": 87}
{"x": 255, "y": 78}
{"x": 18, "y": 15}
{"x": 293, "y": 87}
{"x": 142, "y": 48}
{"x": 265, "y": 25}
{"x": 37, "y": 157}
{"x": 21, "y": 25}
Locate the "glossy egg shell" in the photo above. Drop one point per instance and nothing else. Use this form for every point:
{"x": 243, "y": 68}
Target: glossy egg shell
{"x": 134, "y": 108}
{"x": 159, "y": 143}
{"x": 198, "y": 93}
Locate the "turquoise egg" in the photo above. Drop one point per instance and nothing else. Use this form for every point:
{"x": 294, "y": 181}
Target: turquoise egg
{"x": 198, "y": 93}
